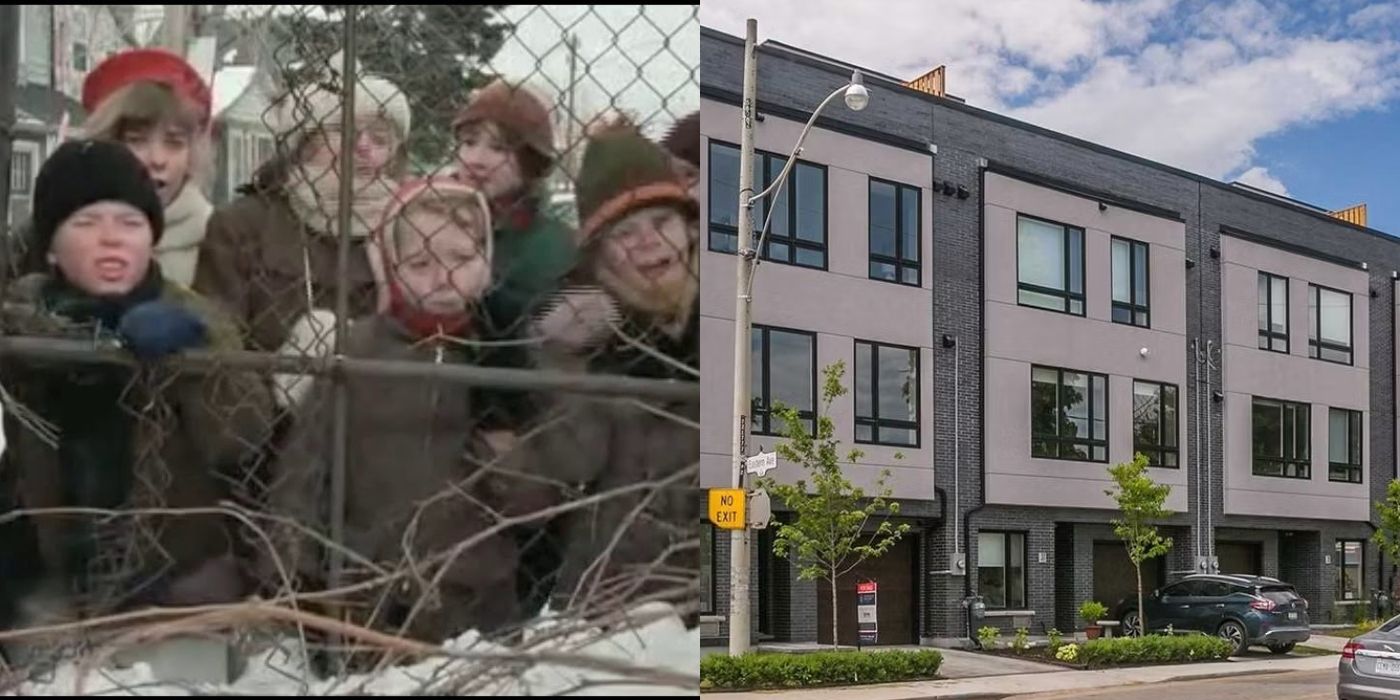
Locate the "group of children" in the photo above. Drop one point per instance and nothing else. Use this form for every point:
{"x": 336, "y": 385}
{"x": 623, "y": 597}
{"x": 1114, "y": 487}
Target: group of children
{"x": 454, "y": 268}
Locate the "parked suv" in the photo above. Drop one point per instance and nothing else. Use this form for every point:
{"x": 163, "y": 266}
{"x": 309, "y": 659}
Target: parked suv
{"x": 1243, "y": 610}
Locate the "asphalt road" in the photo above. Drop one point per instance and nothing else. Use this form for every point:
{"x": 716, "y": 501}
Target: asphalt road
{"x": 1297, "y": 685}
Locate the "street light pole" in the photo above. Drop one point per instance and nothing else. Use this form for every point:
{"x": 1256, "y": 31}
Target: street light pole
{"x": 739, "y": 539}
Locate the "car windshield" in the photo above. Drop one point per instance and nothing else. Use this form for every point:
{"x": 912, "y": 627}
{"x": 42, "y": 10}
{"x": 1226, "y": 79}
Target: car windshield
{"x": 1279, "y": 594}
{"x": 1390, "y": 624}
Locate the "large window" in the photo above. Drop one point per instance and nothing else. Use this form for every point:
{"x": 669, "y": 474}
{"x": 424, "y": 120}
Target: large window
{"x": 1282, "y": 439}
{"x": 894, "y": 232}
{"x": 1130, "y": 282}
{"x": 1049, "y": 265}
{"x": 1344, "y": 445}
{"x": 1001, "y": 569}
{"x": 1350, "y": 559}
{"x": 1069, "y": 414}
{"x": 1155, "y": 423}
{"x": 797, "y": 232}
{"x": 784, "y": 370}
{"x": 887, "y": 394}
{"x": 707, "y": 568}
{"x": 1329, "y": 324}
{"x": 1273, "y": 312}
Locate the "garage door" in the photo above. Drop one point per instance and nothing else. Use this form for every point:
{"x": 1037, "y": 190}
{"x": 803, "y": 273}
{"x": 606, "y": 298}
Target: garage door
{"x": 1240, "y": 557}
{"x": 898, "y": 612}
{"x": 1114, "y": 577}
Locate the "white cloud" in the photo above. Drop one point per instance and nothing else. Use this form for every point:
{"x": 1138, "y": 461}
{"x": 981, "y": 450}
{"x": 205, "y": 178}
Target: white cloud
{"x": 1260, "y": 177}
{"x": 1191, "y": 83}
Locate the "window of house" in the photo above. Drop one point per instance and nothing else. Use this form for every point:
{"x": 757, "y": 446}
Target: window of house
{"x": 887, "y": 394}
{"x": 1350, "y": 560}
{"x": 1273, "y": 312}
{"x": 783, "y": 370}
{"x": 1343, "y": 445}
{"x": 1069, "y": 414}
{"x": 1329, "y": 324}
{"x": 1282, "y": 441}
{"x": 894, "y": 232}
{"x": 1001, "y": 569}
{"x": 1130, "y": 282}
{"x": 80, "y": 56}
{"x": 1155, "y": 423}
{"x": 21, "y": 172}
{"x": 1049, "y": 265}
{"x": 797, "y": 231}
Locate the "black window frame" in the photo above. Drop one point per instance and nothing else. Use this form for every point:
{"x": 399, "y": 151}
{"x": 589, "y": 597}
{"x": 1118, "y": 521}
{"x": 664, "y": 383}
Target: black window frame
{"x": 1302, "y": 464}
{"x": 1341, "y": 548}
{"x": 1006, "y": 576}
{"x": 875, "y": 422}
{"x": 764, "y": 409}
{"x": 1065, "y": 294}
{"x": 1159, "y": 451}
{"x": 708, "y": 527}
{"x": 900, "y": 261}
{"x": 1352, "y": 469}
{"x": 1315, "y": 342}
{"x": 1266, "y": 334}
{"x": 21, "y": 173}
{"x": 791, "y": 187}
{"x": 1059, "y": 441}
{"x": 1133, "y": 306}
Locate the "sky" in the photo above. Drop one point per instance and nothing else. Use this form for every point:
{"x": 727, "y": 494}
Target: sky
{"x": 1300, "y": 98}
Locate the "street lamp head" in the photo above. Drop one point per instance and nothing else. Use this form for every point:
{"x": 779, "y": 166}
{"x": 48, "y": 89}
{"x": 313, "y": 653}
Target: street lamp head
{"x": 857, "y": 97}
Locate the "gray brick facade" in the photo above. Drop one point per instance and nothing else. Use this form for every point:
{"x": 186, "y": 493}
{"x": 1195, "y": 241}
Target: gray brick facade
{"x": 1294, "y": 549}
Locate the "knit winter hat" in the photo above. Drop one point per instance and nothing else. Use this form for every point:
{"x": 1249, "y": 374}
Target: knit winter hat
{"x": 516, "y": 109}
{"x": 85, "y": 172}
{"x": 317, "y": 106}
{"x": 624, "y": 171}
{"x": 154, "y": 65}
{"x": 683, "y": 141}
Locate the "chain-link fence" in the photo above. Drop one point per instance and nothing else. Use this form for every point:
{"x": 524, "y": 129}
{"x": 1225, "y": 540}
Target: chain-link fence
{"x": 447, "y": 382}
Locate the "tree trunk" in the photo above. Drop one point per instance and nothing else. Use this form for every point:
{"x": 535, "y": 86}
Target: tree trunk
{"x": 835, "y": 614}
{"x": 1142, "y": 612}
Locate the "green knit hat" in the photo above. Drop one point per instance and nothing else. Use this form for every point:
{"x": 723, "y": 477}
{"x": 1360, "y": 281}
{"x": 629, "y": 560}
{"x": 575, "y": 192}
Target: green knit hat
{"x": 624, "y": 171}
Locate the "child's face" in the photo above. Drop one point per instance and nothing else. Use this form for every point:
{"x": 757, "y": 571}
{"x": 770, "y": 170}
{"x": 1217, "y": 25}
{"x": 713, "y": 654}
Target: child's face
{"x": 165, "y": 149}
{"x": 104, "y": 248}
{"x": 645, "y": 258}
{"x": 487, "y": 161}
{"x": 442, "y": 266}
{"x": 376, "y": 140}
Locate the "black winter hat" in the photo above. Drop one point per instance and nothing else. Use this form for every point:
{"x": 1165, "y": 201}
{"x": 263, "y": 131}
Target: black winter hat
{"x": 85, "y": 172}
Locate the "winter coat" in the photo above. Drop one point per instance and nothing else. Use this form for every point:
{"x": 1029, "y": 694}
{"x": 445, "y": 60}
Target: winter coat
{"x": 128, "y": 438}
{"x": 253, "y": 262}
{"x": 533, "y": 253}
{"x": 595, "y": 447}
{"x": 407, "y": 441}
{"x": 185, "y": 222}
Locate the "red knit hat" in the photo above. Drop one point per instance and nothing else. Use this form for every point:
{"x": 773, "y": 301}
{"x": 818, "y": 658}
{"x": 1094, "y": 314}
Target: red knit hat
{"x": 154, "y": 65}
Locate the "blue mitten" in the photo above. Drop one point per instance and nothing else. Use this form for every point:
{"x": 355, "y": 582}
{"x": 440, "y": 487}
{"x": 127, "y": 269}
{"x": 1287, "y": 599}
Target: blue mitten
{"x": 156, "y": 329}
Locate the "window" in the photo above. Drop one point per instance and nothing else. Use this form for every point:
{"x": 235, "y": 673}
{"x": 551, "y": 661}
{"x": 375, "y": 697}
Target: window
{"x": 1273, "y": 312}
{"x": 80, "y": 56}
{"x": 1281, "y": 439}
{"x": 21, "y": 172}
{"x": 894, "y": 232}
{"x": 1130, "y": 282}
{"x": 797, "y": 232}
{"x": 784, "y": 371}
{"x": 1069, "y": 414}
{"x": 1049, "y": 265}
{"x": 707, "y": 568}
{"x": 1350, "y": 559}
{"x": 1329, "y": 324}
{"x": 1155, "y": 423}
{"x": 887, "y": 394}
{"x": 1344, "y": 445}
{"x": 1001, "y": 569}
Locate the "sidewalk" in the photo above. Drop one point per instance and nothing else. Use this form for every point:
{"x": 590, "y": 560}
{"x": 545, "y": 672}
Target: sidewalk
{"x": 1039, "y": 682}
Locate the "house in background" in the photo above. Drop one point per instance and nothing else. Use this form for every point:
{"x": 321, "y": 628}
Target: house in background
{"x": 242, "y": 139}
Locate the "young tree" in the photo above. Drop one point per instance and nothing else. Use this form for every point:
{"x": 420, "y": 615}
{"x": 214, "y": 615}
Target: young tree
{"x": 1140, "y": 503}
{"x": 829, "y": 534}
{"x": 1387, "y": 535}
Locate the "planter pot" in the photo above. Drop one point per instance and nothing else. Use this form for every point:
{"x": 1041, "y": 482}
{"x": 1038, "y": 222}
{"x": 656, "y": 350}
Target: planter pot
{"x": 1093, "y": 631}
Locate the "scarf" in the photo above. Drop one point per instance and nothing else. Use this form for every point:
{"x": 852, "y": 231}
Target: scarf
{"x": 315, "y": 199}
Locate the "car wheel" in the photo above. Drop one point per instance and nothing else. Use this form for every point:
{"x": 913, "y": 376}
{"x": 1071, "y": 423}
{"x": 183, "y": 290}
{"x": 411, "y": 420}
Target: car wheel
{"x": 1131, "y": 624}
{"x": 1233, "y": 632}
{"x": 1281, "y": 649}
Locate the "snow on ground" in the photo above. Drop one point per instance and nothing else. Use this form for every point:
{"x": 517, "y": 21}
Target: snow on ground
{"x": 663, "y": 645}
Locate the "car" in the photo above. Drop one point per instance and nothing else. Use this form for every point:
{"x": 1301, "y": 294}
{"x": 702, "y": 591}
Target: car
{"x": 1244, "y": 610}
{"x": 1370, "y": 664}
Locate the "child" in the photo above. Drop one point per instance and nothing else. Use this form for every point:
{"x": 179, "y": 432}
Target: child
{"x": 409, "y": 438}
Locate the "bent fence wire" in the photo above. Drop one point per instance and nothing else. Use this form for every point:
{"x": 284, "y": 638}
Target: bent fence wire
{"x": 441, "y": 392}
